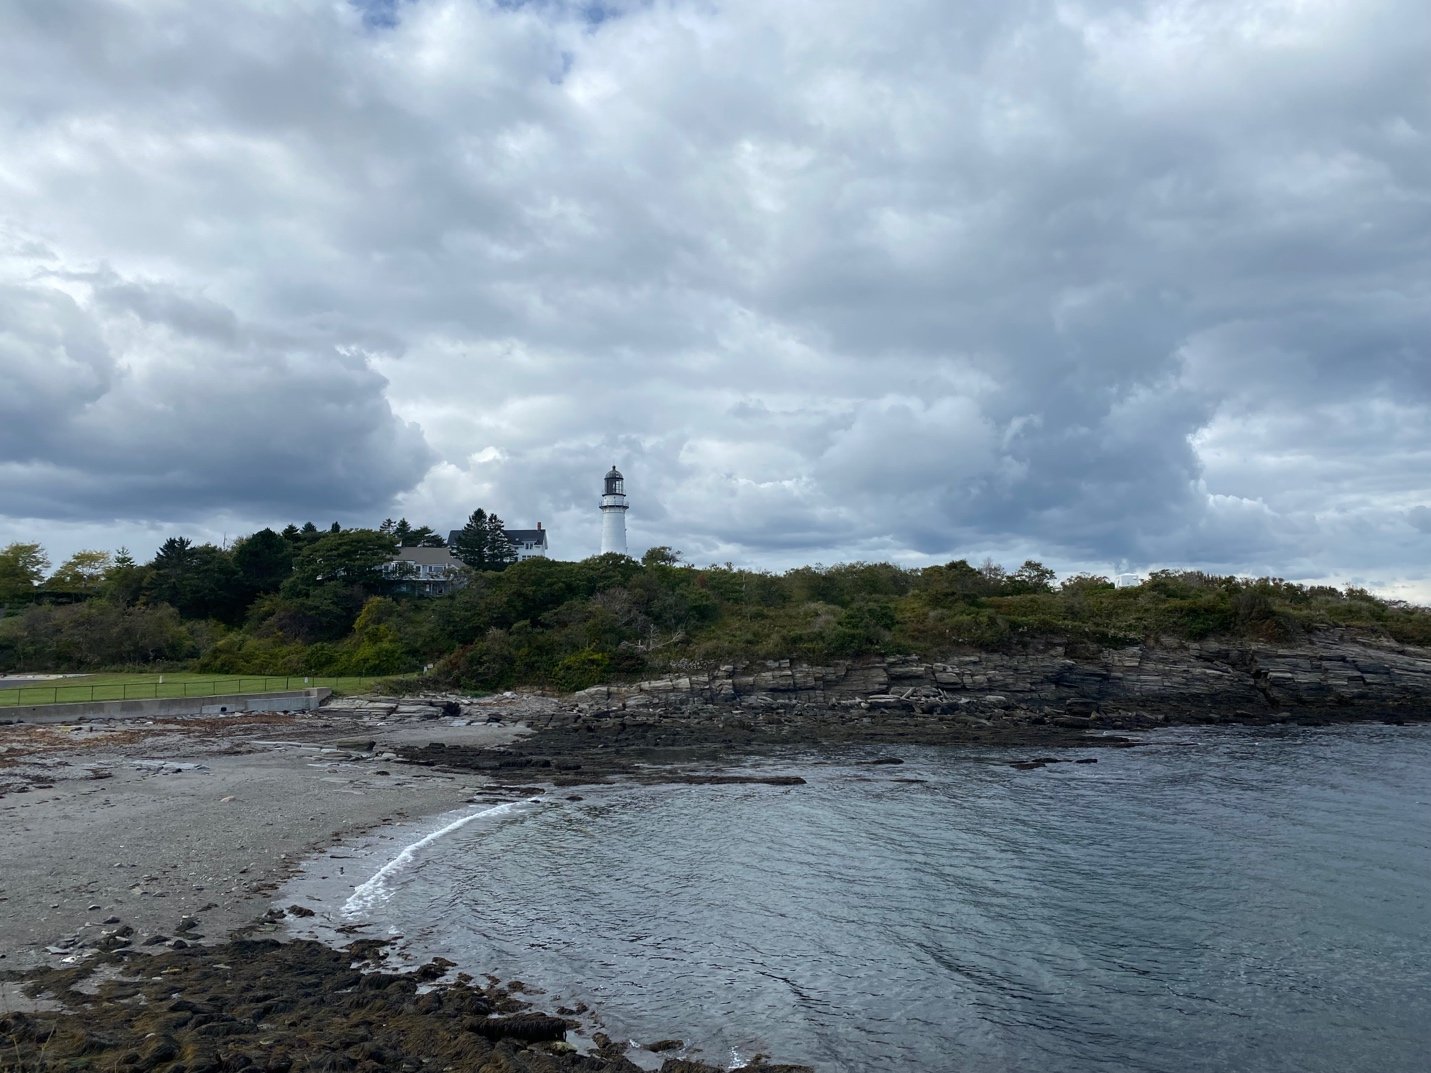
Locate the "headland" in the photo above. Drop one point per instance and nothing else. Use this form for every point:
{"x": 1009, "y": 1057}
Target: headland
{"x": 141, "y": 856}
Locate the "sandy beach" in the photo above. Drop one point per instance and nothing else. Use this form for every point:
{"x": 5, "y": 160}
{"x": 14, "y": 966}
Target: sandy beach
{"x": 105, "y": 825}
{"x": 139, "y": 861}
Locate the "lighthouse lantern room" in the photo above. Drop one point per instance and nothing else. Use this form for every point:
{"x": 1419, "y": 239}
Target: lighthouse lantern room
{"x": 613, "y": 513}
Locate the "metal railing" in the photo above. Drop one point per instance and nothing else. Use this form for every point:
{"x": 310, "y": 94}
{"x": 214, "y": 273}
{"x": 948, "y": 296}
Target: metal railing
{"x": 80, "y": 693}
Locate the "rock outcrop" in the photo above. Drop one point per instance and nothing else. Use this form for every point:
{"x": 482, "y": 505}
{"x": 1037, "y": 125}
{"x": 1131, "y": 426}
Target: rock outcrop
{"x": 1335, "y": 675}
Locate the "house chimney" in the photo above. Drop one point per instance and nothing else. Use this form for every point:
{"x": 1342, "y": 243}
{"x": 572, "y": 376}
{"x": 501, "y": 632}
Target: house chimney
{"x": 539, "y": 526}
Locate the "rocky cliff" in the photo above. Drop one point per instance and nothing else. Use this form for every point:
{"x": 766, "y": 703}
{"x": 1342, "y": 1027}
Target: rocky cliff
{"x": 1334, "y": 675}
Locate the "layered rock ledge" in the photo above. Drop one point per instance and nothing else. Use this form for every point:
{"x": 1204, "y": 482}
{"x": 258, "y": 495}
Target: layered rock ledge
{"x": 1044, "y": 694}
{"x": 1335, "y": 675}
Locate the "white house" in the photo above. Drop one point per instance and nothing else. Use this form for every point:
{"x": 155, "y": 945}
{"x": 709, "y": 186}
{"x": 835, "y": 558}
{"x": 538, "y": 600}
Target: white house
{"x": 424, "y": 571}
{"x": 527, "y": 543}
{"x": 436, "y": 571}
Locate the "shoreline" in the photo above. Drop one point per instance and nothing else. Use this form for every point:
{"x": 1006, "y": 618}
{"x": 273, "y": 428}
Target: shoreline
{"x": 158, "y": 841}
{"x": 183, "y": 822}
{"x": 197, "y": 821}
{"x": 153, "y": 851}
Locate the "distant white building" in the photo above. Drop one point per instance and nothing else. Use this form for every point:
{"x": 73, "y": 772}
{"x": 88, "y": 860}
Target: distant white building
{"x": 527, "y": 543}
{"x": 1127, "y": 581}
{"x": 424, "y": 571}
{"x": 436, "y": 571}
{"x": 613, "y": 513}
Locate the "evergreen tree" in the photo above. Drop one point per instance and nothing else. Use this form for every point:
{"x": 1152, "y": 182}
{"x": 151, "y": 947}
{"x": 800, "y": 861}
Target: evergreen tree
{"x": 412, "y": 536}
{"x": 200, "y": 581}
{"x": 482, "y": 543}
{"x": 423, "y": 536}
{"x": 265, "y": 560}
{"x": 124, "y": 582}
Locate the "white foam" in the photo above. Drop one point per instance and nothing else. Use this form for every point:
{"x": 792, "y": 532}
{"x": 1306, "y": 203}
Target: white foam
{"x": 375, "y": 891}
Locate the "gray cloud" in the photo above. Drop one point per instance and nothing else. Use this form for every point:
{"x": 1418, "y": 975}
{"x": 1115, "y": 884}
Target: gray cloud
{"x": 1140, "y": 283}
{"x": 54, "y": 363}
{"x": 140, "y": 401}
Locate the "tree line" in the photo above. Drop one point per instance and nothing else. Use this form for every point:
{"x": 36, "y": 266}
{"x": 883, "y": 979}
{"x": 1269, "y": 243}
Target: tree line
{"x": 300, "y": 586}
{"x": 206, "y": 581}
{"x": 311, "y": 601}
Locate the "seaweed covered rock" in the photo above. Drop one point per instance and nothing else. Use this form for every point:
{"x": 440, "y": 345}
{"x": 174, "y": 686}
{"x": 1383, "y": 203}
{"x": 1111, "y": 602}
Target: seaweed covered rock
{"x": 282, "y": 1007}
{"x": 265, "y": 1005}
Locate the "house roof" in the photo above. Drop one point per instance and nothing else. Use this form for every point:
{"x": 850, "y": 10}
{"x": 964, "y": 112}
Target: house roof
{"x": 424, "y": 556}
{"x": 516, "y": 536}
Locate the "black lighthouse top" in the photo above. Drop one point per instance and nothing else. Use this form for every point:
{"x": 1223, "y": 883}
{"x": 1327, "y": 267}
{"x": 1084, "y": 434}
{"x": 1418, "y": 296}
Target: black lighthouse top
{"x": 615, "y": 483}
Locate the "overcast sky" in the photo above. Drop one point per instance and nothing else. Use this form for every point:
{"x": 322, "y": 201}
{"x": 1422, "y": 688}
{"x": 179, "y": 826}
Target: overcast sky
{"x": 1116, "y": 284}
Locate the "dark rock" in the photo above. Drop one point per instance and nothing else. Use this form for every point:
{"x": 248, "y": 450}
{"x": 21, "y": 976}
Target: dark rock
{"x": 160, "y": 1049}
{"x": 1044, "y": 693}
{"x": 732, "y": 780}
{"x": 116, "y": 940}
{"x": 532, "y": 1027}
{"x": 434, "y": 969}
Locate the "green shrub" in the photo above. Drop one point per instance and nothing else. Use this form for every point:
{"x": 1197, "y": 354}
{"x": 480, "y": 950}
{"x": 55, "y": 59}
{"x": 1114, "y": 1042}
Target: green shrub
{"x": 581, "y": 670}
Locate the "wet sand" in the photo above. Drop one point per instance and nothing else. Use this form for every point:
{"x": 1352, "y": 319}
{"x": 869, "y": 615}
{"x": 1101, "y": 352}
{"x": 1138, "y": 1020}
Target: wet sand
{"x": 137, "y": 932}
{"x": 197, "y": 818}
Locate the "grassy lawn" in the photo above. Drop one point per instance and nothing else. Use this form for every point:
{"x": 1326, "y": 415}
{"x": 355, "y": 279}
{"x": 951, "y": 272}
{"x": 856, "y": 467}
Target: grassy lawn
{"x": 97, "y": 687}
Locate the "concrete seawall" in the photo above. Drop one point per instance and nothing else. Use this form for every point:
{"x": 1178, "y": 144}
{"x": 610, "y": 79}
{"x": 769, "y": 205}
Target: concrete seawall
{"x": 298, "y": 700}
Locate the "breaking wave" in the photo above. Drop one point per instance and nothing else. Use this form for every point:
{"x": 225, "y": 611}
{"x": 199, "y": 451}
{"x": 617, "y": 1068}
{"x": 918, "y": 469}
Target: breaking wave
{"x": 375, "y": 891}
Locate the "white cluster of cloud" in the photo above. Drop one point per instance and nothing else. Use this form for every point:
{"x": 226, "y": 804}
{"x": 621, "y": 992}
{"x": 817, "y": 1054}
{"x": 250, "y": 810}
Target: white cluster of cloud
{"x": 1114, "y": 285}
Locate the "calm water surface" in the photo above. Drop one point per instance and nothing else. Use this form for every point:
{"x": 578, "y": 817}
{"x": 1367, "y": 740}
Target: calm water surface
{"x": 1245, "y": 900}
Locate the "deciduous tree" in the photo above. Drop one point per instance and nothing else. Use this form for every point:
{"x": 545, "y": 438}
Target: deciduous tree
{"x": 82, "y": 573}
{"x": 22, "y": 568}
{"x": 354, "y": 557}
{"x": 1033, "y": 576}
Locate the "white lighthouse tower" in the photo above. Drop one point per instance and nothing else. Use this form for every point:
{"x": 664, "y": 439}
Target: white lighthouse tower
{"x": 613, "y": 513}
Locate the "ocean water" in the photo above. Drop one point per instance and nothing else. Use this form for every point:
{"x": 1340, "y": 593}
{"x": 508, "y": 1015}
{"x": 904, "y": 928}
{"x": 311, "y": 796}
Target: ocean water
{"x": 1220, "y": 899}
